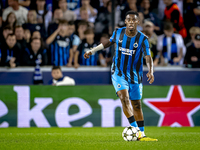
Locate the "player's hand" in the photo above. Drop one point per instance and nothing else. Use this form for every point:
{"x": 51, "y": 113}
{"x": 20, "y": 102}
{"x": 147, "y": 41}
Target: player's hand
{"x": 150, "y": 77}
{"x": 87, "y": 55}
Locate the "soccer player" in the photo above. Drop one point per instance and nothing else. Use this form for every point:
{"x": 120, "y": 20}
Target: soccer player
{"x": 127, "y": 68}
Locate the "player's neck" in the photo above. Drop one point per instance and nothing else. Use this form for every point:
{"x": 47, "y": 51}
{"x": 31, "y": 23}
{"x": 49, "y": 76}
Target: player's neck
{"x": 131, "y": 33}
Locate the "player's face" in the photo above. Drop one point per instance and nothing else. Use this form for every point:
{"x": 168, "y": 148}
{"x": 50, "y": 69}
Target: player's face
{"x": 56, "y": 74}
{"x": 131, "y": 22}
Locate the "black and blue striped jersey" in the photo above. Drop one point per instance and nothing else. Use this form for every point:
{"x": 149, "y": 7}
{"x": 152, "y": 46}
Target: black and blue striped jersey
{"x": 83, "y": 48}
{"x": 60, "y": 50}
{"x": 128, "y": 58}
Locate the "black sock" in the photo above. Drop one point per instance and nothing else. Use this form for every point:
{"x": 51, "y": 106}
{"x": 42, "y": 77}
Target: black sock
{"x": 132, "y": 121}
{"x": 141, "y": 125}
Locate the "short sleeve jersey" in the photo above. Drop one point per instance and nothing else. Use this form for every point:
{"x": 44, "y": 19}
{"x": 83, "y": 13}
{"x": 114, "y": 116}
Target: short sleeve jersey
{"x": 129, "y": 53}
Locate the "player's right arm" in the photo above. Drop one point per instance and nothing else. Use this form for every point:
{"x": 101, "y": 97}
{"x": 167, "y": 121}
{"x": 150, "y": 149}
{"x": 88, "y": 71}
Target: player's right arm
{"x": 105, "y": 44}
{"x": 101, "y": 46}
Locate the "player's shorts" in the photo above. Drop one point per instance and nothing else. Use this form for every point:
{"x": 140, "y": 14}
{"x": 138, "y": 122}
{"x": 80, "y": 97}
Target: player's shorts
{"x": 134, "y": 90}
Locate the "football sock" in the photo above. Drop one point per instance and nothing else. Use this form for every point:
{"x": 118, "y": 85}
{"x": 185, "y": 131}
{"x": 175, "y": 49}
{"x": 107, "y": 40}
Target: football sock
{"x": 132, "y": 121}
{"x": 141, "y": 126}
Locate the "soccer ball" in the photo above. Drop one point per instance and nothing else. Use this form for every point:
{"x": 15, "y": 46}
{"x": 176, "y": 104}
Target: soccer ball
{"x": 130, "y": 133}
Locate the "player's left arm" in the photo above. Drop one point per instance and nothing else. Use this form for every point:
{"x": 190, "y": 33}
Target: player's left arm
{"x": 149, "y": 63}
{"x": 149, "y": 60}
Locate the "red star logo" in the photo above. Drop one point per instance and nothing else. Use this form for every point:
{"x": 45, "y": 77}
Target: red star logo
{"x": 175, "y": 110}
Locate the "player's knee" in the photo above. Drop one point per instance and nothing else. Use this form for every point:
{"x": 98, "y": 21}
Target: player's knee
{"x": 137, "y": 105}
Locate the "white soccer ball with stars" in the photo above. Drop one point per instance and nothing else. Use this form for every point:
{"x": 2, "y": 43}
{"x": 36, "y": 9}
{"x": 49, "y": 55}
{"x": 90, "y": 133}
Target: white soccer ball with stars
{"x": 130, "y": 133}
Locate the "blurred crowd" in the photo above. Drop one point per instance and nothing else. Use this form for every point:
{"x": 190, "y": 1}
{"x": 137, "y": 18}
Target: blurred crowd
{"x": 34, "y": 32}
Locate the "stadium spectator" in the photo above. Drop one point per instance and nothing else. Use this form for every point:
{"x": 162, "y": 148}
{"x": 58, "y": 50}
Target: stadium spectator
{"x": 11, "y": 20}
{"x": 92, "y": 13}
{"x": 172, "y": 14}
{"x": 95, "y": 4}
{"x": 153, "y": 39}
{"x": 20, "y": 11}
{"x": 10, "y": 52}
{"x": 107, "y": 51}
{"x": 162, "y": 6}
{"x": 33, "y": 25}
{"x": 25, "y": 3}
{"x": 6, "y": 30}
{"x": 103, "y": 8}
{"x": 19, "y": 33}
{"x": 150, "y": 16}
{"x": 85, "y": 46}
{"x": 129, "y": 5}
{"x": 60, "y": 44}
{"x": 27, "y": 35}
{"x": 197, "y": 12}
{"x": 71, "y": 4}
{"x": 170, "y": 46}
{"x": 82, "y": 27}
{"x": 84, "y": 17}
{"x": 59, "y": 79}
{"x": 192, "y": 58}
{"x": 117, "y": 14}
{"x": 35, "y": 52}
{"x": 188, "y": 15}
{"x": 67, "y": 14}
{"x": 75, "y": 43}
{"x": 44, "y": 16}
{"x": 193, "y": 31}
{"x": 140, "y": 26}
{"x": 57, "y": 15}
{"x": 104, "y": 21}
{"x": 36, "y": 34}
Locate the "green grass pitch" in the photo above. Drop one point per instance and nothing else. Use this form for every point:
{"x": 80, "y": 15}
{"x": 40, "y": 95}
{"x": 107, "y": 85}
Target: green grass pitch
{"x": 96, "y": 138}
